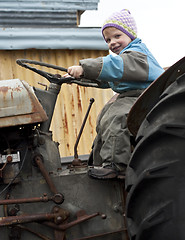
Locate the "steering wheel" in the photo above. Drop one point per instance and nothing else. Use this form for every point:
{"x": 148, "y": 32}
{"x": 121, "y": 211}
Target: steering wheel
{"x": 56, "y": 78}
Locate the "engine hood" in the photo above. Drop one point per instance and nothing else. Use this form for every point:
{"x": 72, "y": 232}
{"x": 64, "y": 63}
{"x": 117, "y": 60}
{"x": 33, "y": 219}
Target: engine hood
{"x": 19, "y": 104}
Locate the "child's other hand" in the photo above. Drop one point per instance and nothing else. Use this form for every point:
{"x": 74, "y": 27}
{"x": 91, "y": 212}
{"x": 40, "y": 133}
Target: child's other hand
{"x": 75, "y": 71}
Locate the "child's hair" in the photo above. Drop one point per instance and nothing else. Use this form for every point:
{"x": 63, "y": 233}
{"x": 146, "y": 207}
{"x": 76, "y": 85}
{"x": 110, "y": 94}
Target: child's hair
{"x": 123, "y": 21}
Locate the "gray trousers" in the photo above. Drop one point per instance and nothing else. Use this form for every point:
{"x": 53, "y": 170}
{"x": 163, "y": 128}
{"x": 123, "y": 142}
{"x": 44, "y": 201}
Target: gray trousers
{"x": 112, "y": 143}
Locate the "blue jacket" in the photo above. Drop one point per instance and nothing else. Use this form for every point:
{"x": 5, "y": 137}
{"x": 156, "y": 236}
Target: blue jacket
{"x": 134, "y": 68}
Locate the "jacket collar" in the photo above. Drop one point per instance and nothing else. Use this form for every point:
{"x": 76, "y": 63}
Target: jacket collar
{"x": 135, "y": 41}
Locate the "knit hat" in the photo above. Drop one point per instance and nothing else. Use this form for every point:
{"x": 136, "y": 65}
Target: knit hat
{"x": 123, "y": 21}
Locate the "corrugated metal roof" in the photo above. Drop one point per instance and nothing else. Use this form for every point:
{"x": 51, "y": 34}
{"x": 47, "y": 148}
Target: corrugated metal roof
{"x": 54, "y": 38}
{"x": 39, "y": 13}
{"x": 49, "y": 5}
{"x": 38, "y": 18}
{"x": 47, "y": 24}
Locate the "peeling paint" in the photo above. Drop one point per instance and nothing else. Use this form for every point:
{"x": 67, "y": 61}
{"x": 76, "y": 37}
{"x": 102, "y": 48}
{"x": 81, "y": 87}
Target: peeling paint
{"x": 18, "y": 104}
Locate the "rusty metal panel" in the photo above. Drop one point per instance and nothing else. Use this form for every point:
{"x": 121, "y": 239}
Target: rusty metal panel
{"x": 18, "y": 104}
{"x": 73, "y": 100}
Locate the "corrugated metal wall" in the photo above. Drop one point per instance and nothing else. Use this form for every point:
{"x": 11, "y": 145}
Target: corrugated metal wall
{"x": 73, "y": 100}
{"x": 40, "y": 13}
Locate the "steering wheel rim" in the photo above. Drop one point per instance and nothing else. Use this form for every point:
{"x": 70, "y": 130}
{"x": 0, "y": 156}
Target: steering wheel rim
{"x": 56, "y": 78}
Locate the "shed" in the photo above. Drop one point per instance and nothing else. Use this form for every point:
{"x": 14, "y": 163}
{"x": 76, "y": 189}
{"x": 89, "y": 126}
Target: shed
{"x": 48, "y": 31}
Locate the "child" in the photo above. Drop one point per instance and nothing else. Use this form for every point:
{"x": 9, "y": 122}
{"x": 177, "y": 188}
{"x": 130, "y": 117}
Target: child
{"x": 128, "y": 73}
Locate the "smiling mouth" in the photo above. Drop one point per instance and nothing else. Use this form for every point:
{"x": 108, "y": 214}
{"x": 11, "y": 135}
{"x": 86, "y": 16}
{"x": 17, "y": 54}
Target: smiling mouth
{"x": 116, "y": 49}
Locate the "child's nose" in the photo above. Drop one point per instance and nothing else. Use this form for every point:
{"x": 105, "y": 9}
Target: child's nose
{"x": 112, "y": 41}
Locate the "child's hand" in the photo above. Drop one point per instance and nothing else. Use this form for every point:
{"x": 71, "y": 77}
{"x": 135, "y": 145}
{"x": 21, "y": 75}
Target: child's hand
{"x": 75, "y": 71}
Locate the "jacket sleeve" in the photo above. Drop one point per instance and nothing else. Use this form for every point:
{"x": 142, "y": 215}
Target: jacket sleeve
{"x": 92, "y": 68}
{"x": 128, "y": 66}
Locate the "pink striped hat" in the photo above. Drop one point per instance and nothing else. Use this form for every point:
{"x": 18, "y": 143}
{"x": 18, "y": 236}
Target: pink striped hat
{"x": 123, "y": 21}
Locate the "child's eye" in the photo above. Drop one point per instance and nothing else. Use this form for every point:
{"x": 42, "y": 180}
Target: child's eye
{"x": 108, "y": 40}
{"x": 117, "y": 36}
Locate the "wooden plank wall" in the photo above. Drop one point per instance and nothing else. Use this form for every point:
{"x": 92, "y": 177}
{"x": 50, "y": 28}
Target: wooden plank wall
{"x": 73, "y": 100}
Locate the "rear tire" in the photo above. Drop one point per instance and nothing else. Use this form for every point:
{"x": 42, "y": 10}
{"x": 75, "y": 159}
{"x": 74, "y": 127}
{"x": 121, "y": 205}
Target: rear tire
{"x": 155, "y": 178}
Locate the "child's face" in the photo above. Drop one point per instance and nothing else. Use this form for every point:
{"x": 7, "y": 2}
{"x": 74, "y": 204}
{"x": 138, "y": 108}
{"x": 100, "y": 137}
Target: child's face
{"x": 116, "y": 39}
